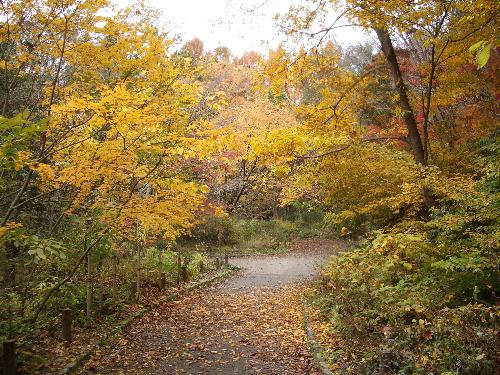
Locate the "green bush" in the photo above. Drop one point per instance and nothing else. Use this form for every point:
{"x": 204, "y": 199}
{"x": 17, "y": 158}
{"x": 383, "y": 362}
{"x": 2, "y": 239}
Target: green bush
{"x": 216, "y": 230}
{"x": 425, "y": 290}
{"x": 307, "y": 212}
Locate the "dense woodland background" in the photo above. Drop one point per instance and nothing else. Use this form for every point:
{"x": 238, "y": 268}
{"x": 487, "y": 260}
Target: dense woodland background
{"x": 123, "y": 157}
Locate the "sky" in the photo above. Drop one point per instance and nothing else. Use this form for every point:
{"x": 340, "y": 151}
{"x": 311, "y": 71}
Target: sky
{"x": 238, "y": 24}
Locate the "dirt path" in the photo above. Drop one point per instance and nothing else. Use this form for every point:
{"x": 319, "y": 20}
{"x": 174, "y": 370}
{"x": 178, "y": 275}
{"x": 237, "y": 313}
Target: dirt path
{"x": 273, "y": 271}
{"x": 250, "y": 324}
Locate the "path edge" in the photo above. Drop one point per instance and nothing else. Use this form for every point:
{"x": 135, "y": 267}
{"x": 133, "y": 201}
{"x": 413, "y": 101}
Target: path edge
{"x": 315, "y": 348}
{"x": 82, "y": 358}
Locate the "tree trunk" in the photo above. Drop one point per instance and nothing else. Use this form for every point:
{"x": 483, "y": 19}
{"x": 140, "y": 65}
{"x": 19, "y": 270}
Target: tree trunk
{"x": 411, "y": 125}
{"x": 414, "y": 138}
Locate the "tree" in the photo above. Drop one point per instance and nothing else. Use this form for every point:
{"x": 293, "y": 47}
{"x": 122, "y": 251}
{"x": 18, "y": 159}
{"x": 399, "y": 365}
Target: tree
{"x": 253, "y": 146}
{"x": 106, "y": 138}
{"x": 193, "y": 49}
{"x": 222, "y": 54}
{"x": 439, "y": 29}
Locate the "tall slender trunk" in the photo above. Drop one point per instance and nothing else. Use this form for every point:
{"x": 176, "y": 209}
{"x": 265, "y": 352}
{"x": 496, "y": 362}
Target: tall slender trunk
{"x": 414, "y": 138}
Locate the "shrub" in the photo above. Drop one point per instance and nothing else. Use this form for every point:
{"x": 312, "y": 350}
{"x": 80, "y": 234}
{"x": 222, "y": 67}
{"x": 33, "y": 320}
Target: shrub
{"x": 425, "y": 290}
{"x": 220, "y": 230}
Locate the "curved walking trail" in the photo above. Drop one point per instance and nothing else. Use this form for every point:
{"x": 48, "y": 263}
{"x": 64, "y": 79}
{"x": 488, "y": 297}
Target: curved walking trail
{"x": 249, "y": 324}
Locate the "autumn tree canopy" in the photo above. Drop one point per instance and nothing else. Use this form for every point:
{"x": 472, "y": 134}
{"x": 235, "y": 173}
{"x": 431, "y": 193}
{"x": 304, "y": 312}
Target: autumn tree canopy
{"x": 118, "y": 142}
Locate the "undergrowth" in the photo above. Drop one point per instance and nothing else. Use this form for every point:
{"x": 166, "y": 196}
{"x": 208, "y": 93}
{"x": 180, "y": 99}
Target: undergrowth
{"x": 423, "y": 291}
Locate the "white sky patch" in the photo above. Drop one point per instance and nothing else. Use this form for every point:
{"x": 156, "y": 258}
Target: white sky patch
{"x": 240, "y": 25}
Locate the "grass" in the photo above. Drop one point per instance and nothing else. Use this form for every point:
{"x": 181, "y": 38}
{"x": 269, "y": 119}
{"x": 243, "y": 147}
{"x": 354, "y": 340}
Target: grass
{"x": 269, "y": 237}
{"x": 219, "y": 236}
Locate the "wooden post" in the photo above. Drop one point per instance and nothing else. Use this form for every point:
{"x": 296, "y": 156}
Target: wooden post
{"x": 89, "y": 286}
{"x": 384, "y": 363}
{"x": 9, "y": 357}
{"x": 185, "y": 275}
{"x": 115, "y": 275}
{"x": 179, "y": 270}
{"x": 160, "y": 270}
{"x": 11, "y": 252}
{"x": 226, "y": 259}
{"x": 138, "y": 272}
{"x": 66, "y": 326}
{"x": 202, "y": 267}
{"x": 133, "y": 291}
{"x": 163, "y": 281}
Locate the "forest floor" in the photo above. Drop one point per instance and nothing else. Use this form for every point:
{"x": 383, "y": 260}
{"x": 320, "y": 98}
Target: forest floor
{"x": 249, "y": 324}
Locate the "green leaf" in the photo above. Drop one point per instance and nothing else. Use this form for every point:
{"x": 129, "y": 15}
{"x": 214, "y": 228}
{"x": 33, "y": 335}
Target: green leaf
{"x": 38, "y": 253}
{"x": 477, "y": 46}
{"x": 483, "y": 56}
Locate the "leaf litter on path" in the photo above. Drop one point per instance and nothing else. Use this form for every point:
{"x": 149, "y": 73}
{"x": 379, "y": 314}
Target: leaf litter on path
{"x": 210, "y": 332}
{"x": 234, "y": 328}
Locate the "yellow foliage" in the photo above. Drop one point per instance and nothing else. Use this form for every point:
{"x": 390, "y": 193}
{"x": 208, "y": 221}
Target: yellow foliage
{"x": 120, "y": 128}
{"x": 8, "y": 227}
